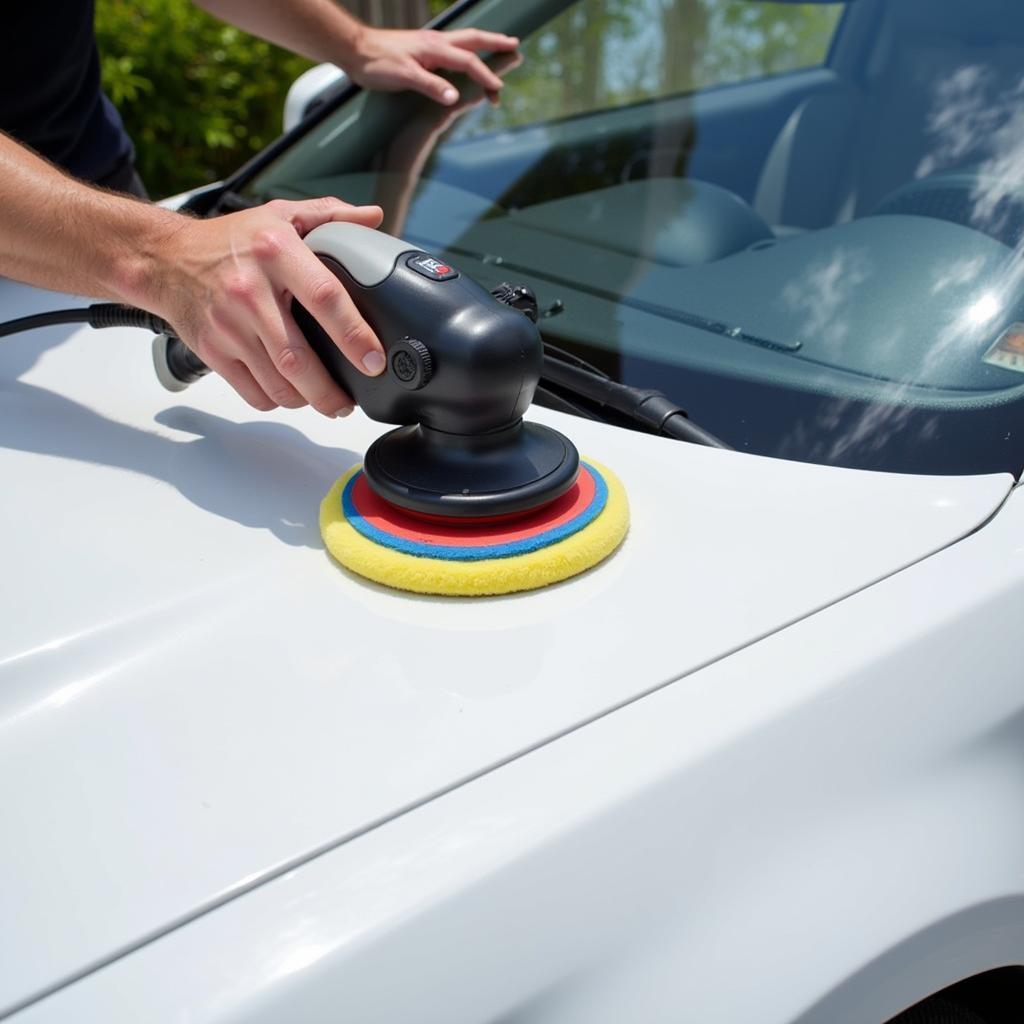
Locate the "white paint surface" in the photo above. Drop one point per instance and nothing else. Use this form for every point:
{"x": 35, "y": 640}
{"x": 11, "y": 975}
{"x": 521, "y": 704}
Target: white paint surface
{"x": 194, "y": 697}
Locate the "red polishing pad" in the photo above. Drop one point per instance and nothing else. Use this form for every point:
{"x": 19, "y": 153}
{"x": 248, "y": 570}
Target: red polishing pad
{"x": 474, "y": 539}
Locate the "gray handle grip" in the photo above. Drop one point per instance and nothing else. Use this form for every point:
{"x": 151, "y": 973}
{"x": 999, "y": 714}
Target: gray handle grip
{"x": 368, "y": 255}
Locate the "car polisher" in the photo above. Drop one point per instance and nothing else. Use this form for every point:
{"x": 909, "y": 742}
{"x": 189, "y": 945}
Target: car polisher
{"x": 464, "y": 496}
{"x": 462, "y": 368}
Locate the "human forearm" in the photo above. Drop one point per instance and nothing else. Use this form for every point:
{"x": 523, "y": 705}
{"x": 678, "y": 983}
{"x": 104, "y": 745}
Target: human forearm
{"x": 321, "y": 30}
{"x": 376, "y": 58}
{"x": 56, "y": 232}
{"x": 225, "y": 285}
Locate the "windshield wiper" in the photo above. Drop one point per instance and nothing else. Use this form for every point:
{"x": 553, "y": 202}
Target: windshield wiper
{"x": 566, "y": 381}
{"x": 565, "y": 378}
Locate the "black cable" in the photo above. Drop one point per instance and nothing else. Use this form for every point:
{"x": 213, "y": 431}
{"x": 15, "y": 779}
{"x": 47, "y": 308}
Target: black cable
{"x": 100, "y": 314}
{"x": 113, "y": 314}
{"x": 57, "y": 316}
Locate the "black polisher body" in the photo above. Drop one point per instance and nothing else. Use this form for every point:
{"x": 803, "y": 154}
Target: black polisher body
{"x": 462, "y": 368}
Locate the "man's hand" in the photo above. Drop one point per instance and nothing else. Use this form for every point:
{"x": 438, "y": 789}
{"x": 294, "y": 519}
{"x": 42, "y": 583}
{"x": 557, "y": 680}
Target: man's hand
{"x": 226, "y": 286}
{"x": 376, "y": 58}
{"x": 394, "y": 59}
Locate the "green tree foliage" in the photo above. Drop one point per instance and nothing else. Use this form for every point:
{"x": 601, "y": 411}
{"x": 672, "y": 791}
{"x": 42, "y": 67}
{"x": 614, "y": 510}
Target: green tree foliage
{"x": 197, "y": 96}
{"x": 599, "y": 54}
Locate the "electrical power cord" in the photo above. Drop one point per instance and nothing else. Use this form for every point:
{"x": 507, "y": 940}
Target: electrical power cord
{"x": 100, "y": 314}
{"x": 177, "y": 367}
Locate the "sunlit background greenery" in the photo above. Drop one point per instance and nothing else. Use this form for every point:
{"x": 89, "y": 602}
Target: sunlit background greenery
{"x": 197, "y": 96}
{"x": 200, "y": 97}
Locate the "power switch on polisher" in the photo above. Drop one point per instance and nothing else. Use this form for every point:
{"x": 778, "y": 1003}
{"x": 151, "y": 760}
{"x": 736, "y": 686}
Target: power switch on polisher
{"x": 429, "y": 266}
{"x": 410, "y": 363}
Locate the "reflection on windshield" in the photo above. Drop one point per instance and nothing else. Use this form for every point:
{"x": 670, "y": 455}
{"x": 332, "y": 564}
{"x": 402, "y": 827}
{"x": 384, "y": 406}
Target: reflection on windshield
{"x": 970, "y": 116}
{"x": 601, "y": 54}
{"x": 973, "y": 166}
{"x": 818, "y": 302}
{"x": 802, "y": 220}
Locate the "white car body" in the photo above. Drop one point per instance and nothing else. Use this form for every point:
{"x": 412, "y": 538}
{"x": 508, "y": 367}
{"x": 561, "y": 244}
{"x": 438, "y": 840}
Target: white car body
{"x": 761, "y": 765}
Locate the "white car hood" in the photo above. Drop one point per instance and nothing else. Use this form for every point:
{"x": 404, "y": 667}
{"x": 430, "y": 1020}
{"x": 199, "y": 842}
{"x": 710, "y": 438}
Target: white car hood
{"x": 193, "y": 696}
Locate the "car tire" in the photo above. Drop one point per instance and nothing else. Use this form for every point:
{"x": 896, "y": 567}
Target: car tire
{"x": 938, "y": 1010}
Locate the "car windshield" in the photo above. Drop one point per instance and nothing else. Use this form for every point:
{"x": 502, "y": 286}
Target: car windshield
{"x": 802, "y": 221}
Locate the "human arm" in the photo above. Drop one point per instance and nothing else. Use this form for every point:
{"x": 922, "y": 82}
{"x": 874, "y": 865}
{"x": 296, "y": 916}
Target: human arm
{"x": 386, "y": 59}
{"x": 224, "y": 284}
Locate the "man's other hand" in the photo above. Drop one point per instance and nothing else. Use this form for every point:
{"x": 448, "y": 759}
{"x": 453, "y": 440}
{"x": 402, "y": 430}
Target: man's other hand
{"x": 394, "y": 59}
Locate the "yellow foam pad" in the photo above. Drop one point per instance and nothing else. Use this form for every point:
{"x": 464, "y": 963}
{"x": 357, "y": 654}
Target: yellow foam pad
{"x": 528, "y": 571}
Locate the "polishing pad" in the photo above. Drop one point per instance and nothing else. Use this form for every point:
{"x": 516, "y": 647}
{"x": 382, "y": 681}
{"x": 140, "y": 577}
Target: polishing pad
{"x": 479, "y": 556}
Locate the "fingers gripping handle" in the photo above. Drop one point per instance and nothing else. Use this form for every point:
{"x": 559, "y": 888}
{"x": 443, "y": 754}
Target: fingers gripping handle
{"x": 369, "y": 256}
{"x": 460, "y": 360}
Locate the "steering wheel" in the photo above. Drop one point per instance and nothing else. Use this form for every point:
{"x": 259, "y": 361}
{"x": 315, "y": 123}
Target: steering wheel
{"x": 984, "y": 202}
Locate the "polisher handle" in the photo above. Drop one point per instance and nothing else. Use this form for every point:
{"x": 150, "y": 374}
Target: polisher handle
{"x": 175, "y": 363}
{"x": 458, "y": 360}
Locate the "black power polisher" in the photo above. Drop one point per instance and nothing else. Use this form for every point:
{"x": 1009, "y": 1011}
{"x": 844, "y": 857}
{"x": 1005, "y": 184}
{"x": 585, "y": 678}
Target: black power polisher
{"x": 462, "y": 367}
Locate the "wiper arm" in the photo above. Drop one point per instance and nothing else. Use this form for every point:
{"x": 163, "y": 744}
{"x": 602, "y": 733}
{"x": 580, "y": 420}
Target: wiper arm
{"x": 642, "y": 406}
{"x": 568, "y": 373}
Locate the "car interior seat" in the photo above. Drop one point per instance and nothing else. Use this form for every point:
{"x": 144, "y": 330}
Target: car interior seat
{"x": 939, "y": 75}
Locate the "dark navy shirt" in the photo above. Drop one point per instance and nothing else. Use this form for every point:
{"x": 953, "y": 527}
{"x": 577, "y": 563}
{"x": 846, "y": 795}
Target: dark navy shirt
{"x": 50, "y": 96}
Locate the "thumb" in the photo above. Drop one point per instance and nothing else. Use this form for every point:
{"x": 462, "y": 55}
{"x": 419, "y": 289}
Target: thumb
{"x": 310, "y": 213}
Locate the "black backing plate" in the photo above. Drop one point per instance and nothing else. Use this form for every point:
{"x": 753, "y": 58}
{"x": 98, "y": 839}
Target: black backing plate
{"x": 433, "y": 473}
